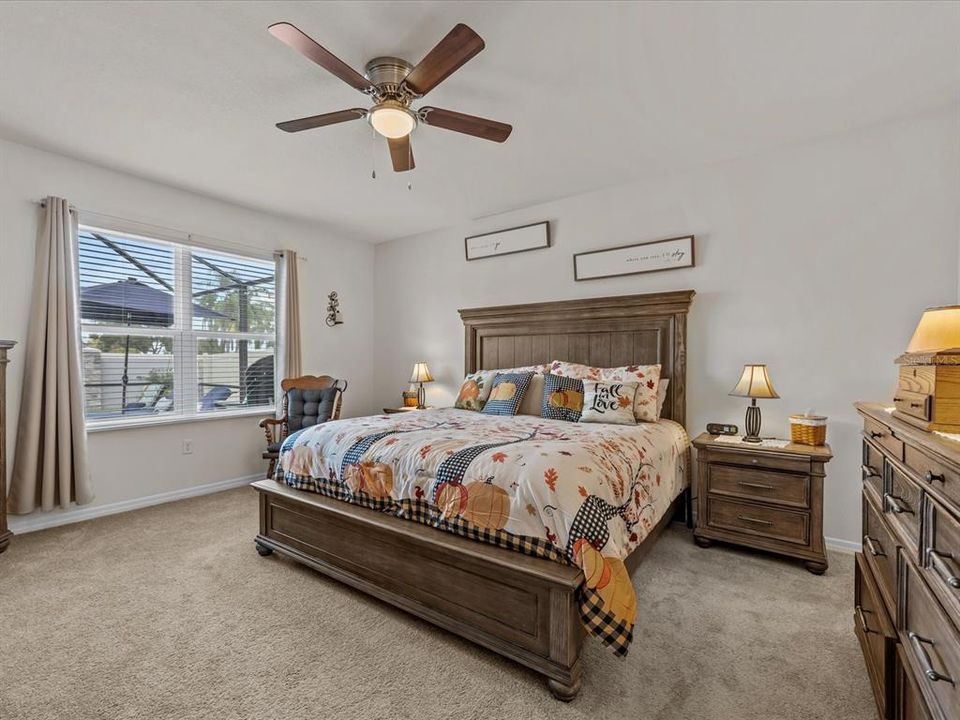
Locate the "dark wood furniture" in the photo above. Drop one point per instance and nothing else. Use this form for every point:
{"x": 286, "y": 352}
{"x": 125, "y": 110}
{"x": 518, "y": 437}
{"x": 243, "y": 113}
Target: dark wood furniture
{"x": 907, "y": 593}
{"x": 522, "y": 607}
{"x": 397, "y": 410}
{"x": 762, "y": 497}
{"x": 276, "y": 429}
{"x": 5, "y": 534}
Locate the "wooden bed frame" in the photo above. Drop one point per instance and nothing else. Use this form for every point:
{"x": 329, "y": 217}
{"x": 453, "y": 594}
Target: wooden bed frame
{"x": 522, "y": 607}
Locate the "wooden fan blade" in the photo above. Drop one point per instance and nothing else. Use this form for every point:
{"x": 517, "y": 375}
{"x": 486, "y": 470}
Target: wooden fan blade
{"x": 467, "y": 124}
{"x": 315, "y": 121}
{"x": 400, "y": 154}
{"x": 308, "y": 47}
{"x": 454, "y": 50}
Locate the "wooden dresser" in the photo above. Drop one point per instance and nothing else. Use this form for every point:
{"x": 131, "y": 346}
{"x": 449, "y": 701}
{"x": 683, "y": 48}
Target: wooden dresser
{"x": 762, "y": 497}
{"x": 907, "y": 582}
{"x": 5, "y": 534}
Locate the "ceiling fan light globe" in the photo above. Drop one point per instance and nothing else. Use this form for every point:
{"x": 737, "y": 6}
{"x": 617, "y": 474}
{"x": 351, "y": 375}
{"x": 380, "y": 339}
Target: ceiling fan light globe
{"x": 392, "y": 121}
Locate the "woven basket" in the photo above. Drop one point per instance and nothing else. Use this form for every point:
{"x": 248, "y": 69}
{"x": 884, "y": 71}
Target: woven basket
{"x": 808, "y": 429}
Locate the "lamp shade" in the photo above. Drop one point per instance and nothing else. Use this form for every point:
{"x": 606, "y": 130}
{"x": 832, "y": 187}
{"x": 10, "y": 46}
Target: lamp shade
{"x": 754, "y": 383}
{"x": 938, "y": 329}
{"x": 421, "y": 373}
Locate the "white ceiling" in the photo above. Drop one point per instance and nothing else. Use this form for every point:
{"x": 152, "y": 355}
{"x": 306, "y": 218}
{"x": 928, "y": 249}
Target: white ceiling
{"x": 187, "y": 93}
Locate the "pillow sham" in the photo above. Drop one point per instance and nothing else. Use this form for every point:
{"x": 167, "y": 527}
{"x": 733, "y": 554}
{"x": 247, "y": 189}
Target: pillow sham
{"x": 608, "y": 402}
{"x": 662, "y": 394}
{"x": 506, "y": 393}
{"x": 574, "y": 370}
{"x": 647, "y": 377}
{"x": 533, "y": 397}
{"x": 475, "y": 390}
{"x": 562, "y": 398}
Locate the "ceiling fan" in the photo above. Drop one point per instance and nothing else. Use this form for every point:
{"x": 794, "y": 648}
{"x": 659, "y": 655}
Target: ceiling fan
{"x": 394, "y": 85}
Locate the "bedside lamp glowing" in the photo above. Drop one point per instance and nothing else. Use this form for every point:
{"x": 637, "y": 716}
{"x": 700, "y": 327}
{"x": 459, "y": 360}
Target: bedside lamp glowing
{"x": 938, "y": 329}
{"x": 420, "y": 375}
{"x": 754, "y": 383}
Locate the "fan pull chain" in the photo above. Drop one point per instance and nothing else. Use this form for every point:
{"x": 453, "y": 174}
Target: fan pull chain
{"x": 373, "y": 154}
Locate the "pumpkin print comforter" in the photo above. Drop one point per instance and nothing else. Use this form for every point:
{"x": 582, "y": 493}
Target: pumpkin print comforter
{"x": 585, "y": 494}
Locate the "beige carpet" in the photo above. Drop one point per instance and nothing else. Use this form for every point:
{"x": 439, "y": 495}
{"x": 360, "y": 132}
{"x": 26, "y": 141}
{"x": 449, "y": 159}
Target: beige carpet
{"x": 169, "y": 612}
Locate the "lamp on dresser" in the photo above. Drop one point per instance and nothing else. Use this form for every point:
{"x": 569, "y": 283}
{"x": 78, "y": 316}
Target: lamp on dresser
{"x": 754, "y": 383}
{"x": 5, "y": 534}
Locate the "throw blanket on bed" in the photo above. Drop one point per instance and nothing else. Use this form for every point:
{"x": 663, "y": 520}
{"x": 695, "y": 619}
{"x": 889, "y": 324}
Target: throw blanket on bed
{"x": 585, "y": 494}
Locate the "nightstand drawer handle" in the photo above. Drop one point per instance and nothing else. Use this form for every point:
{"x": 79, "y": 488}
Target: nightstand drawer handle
{"x": 924, "y": 658}
{"x": 762, "y": 486}
{"x": 931, "y": 476}
{"x": 941, "y": 565}
{"x": 869, "y": 471}
{"x": 868, "y": 541}
{"x": 863, "y": 621}
{"x": 747, "y": 518}
{"x": 895, "y": 505}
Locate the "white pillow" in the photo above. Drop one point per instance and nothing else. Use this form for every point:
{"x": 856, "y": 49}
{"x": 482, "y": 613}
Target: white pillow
{"x": 532, "y": 403}
{"x": 608, "y": 402}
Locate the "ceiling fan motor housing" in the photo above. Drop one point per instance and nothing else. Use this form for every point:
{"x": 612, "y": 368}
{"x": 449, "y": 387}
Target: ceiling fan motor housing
{"x": 387, "y": 74}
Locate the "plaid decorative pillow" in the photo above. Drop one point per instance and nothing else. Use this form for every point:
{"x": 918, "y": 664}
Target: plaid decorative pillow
{"x": 647, "y": 377}
{"x": 608, "y": 402}
{"x": 506, "y": 393}
{"x": 475, "y": 390}
{"x": 562, "y": 398}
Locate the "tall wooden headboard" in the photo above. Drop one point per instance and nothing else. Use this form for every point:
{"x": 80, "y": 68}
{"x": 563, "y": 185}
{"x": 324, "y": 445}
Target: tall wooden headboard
{"x": 602, "y": 332}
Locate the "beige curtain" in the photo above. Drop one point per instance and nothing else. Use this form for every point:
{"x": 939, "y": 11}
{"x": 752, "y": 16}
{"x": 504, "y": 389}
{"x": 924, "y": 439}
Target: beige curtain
{"x": 290, "y": 356}
{"x": 50, "y": 464}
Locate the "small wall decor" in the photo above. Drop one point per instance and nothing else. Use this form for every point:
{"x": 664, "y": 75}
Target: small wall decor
{"x": 669, "y": 254}
{"x": 333, "y": 310}
{"x": 507, "y": 242}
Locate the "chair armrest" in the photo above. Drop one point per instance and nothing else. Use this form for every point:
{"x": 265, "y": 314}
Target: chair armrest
{"x": 267, "y": 425}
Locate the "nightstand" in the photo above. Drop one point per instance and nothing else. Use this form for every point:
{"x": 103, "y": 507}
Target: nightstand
{"x": 762, "y": 497}
{"x": 392, "y": 410}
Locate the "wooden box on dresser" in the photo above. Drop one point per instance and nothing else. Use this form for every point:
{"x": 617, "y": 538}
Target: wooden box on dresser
{"x": 907, "y": 586}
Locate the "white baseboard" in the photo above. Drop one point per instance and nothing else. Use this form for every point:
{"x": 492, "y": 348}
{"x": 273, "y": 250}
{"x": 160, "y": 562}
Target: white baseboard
{"x": 847, "y": 546}
{"x": 42, "y": 521}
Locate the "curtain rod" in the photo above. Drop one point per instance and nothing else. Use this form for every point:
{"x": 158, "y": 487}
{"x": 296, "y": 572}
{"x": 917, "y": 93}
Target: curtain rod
{"x": 225, "y": 244}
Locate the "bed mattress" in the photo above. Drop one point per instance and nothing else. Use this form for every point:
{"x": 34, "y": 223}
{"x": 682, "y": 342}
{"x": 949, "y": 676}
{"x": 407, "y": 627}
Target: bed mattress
{"x": 578, "y": 493}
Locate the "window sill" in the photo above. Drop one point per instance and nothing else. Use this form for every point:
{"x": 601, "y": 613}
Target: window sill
{"x": 109, "y": 425}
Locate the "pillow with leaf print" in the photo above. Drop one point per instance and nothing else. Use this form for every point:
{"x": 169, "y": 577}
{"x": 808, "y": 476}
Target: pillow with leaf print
{"x": 475, "y": 390}
{"x": 608, "y": 402}
{"x": 647, "y": 377}
{"x": 506, "y": 393}
{"x": 574, "y": 370}
{"x": 562, "y": 398}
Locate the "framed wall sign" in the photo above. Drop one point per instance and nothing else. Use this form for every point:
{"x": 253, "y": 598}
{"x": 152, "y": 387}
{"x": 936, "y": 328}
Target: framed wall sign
{"x": 507, "y": 242}
{"x": 669, "y": 254}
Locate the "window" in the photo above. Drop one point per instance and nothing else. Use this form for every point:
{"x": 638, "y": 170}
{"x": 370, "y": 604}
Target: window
{"x": 171, "y": 330}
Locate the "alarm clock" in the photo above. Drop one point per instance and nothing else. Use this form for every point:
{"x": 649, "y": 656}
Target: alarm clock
{"x": 722, "y": 429}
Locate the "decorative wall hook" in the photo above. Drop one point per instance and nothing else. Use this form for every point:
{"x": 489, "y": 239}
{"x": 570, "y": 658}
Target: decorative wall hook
{"x": 333, "y": 310}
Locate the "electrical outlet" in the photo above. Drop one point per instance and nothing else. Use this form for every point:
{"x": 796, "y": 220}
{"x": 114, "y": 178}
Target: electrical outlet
{"x": 188, "y": 447}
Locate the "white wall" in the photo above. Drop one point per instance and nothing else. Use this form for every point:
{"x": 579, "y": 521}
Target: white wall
{"x": 816, "y": 259}
{"x": 134, "y": 463}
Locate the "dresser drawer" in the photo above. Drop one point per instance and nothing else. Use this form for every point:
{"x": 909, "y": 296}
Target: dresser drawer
{"x": 881, "y": 435}
{"x": 907, "y": 696}
{"x": 931, "y": 644}
{"x": 881, "y": 551}
{"x": 901, "y": 508}
{"x": 758, "y": 520}
{"x": 936, "y": 477}
{"x": 872, "y": 467}
{"x": 767, "y": 486}
{"x": 755, "y": 459}
{"x": 876, "y": 635}
{"x": 941, "y": 556}
{"x": 913, "y": 403}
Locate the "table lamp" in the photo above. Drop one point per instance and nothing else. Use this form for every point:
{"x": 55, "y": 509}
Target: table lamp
{"x": 754, "y": 383}
{"x": 420, "y": 375}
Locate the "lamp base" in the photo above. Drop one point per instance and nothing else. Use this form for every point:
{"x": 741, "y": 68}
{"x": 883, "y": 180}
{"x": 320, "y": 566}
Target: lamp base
{"x": 421, "y": 398}
{"x": 752, "y": 423}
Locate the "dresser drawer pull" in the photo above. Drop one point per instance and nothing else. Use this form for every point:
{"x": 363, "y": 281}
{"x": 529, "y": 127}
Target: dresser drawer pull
{"x": 924, "y": 658}
{"x": 931, "y": 476}
{"x": 868, "y": 541}
{"x": 758, "y": 521}
{"x": 895, "y": 505}
{"x": 762, "y": 486}
{"x": 869, "y": 471}
{"x": 863, "y": 621}
{"x": 941, "y": 566}
{"x": 876, "y": 435}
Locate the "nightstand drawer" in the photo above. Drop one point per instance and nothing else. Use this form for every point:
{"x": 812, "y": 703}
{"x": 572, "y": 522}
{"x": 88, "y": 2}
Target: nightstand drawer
{"x": 931, "y": 644}
{"x": 746, "y": 518}
{"x": 764, "y": 485}
{"x": 755, "y": 459}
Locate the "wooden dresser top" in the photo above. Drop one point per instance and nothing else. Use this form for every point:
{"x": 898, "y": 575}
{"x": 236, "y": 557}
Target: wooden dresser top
{"x": 944, "y": 448}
